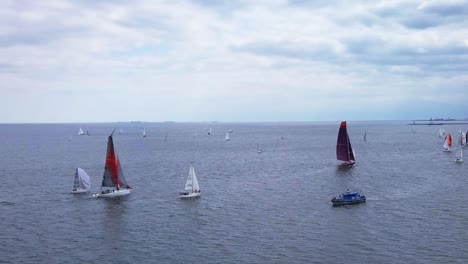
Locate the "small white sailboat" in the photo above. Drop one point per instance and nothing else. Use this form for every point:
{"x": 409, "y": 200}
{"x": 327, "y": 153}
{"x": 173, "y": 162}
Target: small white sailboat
{"x": 82, "y": 182}
{"x": 210, "y": 131}
{"x": 259, "y": 150}
{"x": 113, "y": 180}
{"x": 144, "y": 132}
{"x": 364, "y": 138}
{"x": 192, "y": 189}
{"x": 447, "y": 143}
{"x": 441, "y": 132}
{"x": 70, "y": 138}
{"x": 81, "y": 132}
{"x": 459, "y": 158}
{"x": 463, "y": 139}
{"x": 226, "y": 138}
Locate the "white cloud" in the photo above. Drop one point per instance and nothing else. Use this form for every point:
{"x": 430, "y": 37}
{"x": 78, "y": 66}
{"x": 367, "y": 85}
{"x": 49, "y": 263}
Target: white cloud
{"x": 242, "y": 60}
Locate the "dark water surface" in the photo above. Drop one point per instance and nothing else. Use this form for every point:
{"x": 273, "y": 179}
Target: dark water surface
{"x": 272, "y": 207}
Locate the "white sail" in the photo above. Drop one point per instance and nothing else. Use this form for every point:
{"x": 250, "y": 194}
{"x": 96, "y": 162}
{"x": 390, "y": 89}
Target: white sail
{"x": 463, "y": 139}
{"x": 365, "y": 136}
{"x": 191, "y": 184}
{"x": 144, "y": 132}
{"x": 209, "y": 132}
{"x": 441, "y": 132}
{"x": 81, "y": 132}
{"x": 82, "y": 182}
{"x": 459, "y": 157}
{"x": 196, "y": 187}
{"x": 226, "y": 137}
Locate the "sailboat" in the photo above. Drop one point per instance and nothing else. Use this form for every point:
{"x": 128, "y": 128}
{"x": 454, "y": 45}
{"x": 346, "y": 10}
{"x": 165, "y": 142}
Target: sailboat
{"x": 447, "y": 142}
{"x": 113, "y": 180}
{"x": 165, "y": 138}
{"x": 81, "y": 132}
{"x": 259, "y": 150}
{"x": 226, "y": 138}
{"x": 344, "y": 151}
{"x": 459, "y": 154}
{"x": 441, "y": 132}
{"x": 70, "y": 138}
{"x": 463, "y": 139}
{"x": 82, "y": 182}
{"x": 144, "y": 132}
{"x": 121, "y": 131}
{"x": 192, "y": 189}
{"x": 364, "y": 138}
{"x": 209, "y": 132}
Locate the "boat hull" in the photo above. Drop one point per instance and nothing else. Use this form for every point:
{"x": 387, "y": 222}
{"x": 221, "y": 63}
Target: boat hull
{"x": 343, "y": 202}
{"x": 78, "y": 191}
{"x": 459, "y": 160}
{"x": 115, "y": 193}
{"x": 190, "y": 195}
{"x": 347, "y": 164}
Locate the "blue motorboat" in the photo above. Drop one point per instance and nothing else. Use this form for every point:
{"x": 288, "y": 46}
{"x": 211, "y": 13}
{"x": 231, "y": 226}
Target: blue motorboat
{"x": 349, "y": 198}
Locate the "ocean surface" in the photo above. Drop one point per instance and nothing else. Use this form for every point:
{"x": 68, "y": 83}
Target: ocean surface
{"x": 272, "y": 207}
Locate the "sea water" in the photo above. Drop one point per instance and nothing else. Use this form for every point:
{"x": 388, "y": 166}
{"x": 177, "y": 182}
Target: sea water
{"x": 270, "y": 207}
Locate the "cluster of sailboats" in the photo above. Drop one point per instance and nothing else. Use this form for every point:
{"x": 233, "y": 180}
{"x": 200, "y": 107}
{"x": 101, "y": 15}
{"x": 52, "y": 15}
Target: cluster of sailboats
{"x": 461, "y": 142}
{"x": 114, "y": 183}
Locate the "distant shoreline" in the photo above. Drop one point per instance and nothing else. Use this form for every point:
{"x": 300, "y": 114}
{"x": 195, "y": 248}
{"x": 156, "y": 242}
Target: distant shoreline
{"x": 439, "y": 123}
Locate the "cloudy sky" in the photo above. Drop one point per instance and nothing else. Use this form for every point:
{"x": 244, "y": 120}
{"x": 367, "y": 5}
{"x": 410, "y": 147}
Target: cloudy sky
{"x": 239, "y": 60}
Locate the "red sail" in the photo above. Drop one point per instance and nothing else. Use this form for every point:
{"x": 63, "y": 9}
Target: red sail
{"x": 112, "y": 163}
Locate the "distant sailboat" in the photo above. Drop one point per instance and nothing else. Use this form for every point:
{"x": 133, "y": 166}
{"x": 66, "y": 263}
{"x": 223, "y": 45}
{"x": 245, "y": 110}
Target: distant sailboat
{"x": 447, "y": 142}
{"x": 70, "y": 138}
{"x": 121, "y": 131}
{"x": 209, "y": 132}
{"x": 226, "y": 138}
{"x": 259, "y": 150}
{"x": 364, "y": 138}
{"x": 344, "y": 151}
{"x": 113, "y": 180}
{"x": 82, "y": 182}
{"x": 165, "y": 138}
{"x": 144, "y": 132}
{"x": 459, "y": 154}
{"x": 231, "y": 130}
{"x": 441, "y": 132}
{"x": 462, "y": 139}
{"x": 192, "y": 189}
{"x": 81, "y": 132}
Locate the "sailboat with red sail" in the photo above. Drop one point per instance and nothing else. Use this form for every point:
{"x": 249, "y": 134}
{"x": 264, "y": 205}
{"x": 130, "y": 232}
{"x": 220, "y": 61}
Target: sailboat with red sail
{"x": 113, "y": 181}
{"x": 448, "y": 142}
{"x": 344, "y": 151}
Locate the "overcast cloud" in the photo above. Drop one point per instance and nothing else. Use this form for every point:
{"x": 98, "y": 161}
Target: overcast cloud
{"x": 202, "y": 60}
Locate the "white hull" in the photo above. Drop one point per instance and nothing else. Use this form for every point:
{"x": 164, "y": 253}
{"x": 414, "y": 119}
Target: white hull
{"x": 79, "y": 191}
{"x": 459, "y": 160}
{"x": 115, "y": 193}
{"x": 190, "y": 195}
{"x": 447, "y": 150}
